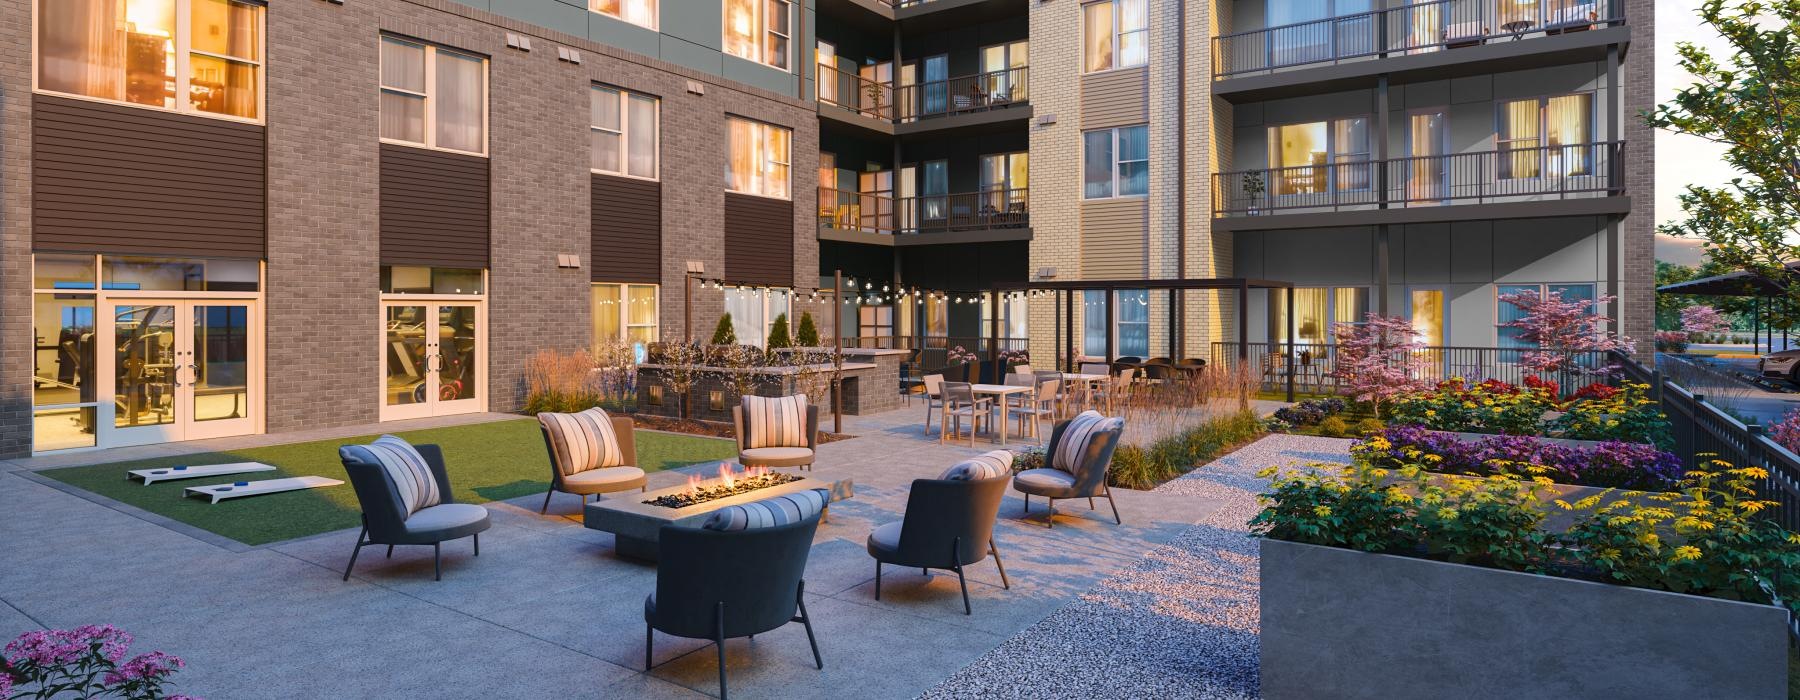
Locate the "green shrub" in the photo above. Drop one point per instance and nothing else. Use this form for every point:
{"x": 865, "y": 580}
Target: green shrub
{"x": 807, "y": 334}
{"x": 722, "y": 333}
{"x": 778, "y": 334}
{"x": 1334, "y": 427}
{"x": 1137, "y": 467}
{"x": 1369, "y": 426}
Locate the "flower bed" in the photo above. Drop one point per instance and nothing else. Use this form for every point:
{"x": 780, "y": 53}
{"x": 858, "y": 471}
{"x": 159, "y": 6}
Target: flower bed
{"x": 1612, "y": 463}
{"x": 1492, "y": 406}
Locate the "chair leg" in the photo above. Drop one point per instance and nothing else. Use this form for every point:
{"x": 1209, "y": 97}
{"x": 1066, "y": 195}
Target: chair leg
{"x": 357, "y": 550}
{"x": 806, "y": 620}
{"x": 546, "y": 508}
{"x": 390, "y": 553}
{"x": 995, "y": 550}
{"x": 1050, "y": 520}
{"x": 878, "y": 579}
{"x": 965, "y": 591}
{"x": 437, "y": 561}
{"x": 649, "y": 643}
{"x": 477, "y": 537}
{"x": 719, "y": 641}
{"x": 1090, "y": 503}
{"x": 1115, "y": 506}
{"x": 1028, "y": 504}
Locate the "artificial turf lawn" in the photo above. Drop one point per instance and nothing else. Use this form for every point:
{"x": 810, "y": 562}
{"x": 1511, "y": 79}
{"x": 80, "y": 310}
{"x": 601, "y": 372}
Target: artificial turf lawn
{"x": 486, "y": 462}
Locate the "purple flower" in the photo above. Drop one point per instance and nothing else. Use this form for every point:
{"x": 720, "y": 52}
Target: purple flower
{"x": 151, "y": 666}
{"x": 111, "y": 641}
{"x": 45, "y": 648}
{"x": 6, "y": 683}
{"x": 1613, "y": 464}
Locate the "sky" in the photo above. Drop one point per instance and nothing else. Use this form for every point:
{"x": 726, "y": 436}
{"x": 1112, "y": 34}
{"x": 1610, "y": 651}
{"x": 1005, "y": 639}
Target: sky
{"x": 1690, "y": 160}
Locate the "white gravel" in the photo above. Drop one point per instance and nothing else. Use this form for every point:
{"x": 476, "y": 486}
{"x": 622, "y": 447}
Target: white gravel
{"x": 1179, "y": 623}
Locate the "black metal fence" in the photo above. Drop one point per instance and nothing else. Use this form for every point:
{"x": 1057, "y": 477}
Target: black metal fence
{"x": 1314, "y": 365}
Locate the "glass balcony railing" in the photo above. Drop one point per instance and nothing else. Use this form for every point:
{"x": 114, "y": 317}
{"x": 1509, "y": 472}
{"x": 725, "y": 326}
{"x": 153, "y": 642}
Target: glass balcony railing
{"x": 1432, "y": 25}
{"x": 966, "y": 211}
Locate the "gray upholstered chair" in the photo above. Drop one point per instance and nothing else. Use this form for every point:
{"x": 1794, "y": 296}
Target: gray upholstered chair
{"x": 385, "y": 519}
{"x": 949, "y": 524}
{"x": 574, "y": 469}
{"x": 1087, "y": 481}
{"x": 720, "y": 585}
{"x": 800, "y": 455}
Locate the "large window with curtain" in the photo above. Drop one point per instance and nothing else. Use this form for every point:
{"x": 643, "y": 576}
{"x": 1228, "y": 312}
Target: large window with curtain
{"x": 1013, "y": 312}
{"x": 759, "y": 159}
{"x": 639, "y": 12}
{"x": 1428, "y": 316}
{"x": 1506, "y": 313}
{"x": 1316, "y": 157}
{"x": 624, "y": 128}
{"x": 1131, "y": 323}
{"x": 1114, "y": 34}
{"x": 626, "y": 313}
{"x": 759, "y": 30}
{"x": 1297, "y": 33}
{"x": 433, "y": 97}
{"x": 753, "y": 313}
{"x": 1545, "y": 136}
{"x": 195, "y": 56}
{"x": 1115, "y": 162}
{"x": 1317, "y": 310}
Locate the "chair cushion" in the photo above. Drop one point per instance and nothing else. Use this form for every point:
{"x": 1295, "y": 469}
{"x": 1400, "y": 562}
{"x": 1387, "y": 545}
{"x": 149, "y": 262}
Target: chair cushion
{"x": 1075, "y": 437}
{"x": 885, "y": 539}
{"x": 408, "y": 470}
{"x": 603, "y": 480}
{"x": 449, "y": 520}
{"x": 985, "y": 466}
{"x": 769, "y": 512}
{"x": 581, "y": 441}
{"x": 1055, "y": 483}
{"x": 776, "y": 457}
{"x": 775, "y": 421}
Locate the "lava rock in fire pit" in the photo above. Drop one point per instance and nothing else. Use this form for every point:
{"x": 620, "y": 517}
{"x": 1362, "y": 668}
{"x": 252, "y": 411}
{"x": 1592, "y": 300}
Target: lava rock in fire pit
{"x": 701, "y": 494}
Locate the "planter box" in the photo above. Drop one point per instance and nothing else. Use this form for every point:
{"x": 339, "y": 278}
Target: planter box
{"x": 1343, "y": 624}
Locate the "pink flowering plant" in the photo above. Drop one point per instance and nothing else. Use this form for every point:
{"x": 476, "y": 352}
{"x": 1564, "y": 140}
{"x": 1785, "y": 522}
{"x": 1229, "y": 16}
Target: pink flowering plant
{"x": 1378, "y": 359}
{"x": 1703, "y": 320}
{"x": 1563, "y": 329}
{"x": 86, "y": 662}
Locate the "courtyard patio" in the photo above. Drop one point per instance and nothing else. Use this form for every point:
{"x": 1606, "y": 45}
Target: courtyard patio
{"x": 1163, "y": 605}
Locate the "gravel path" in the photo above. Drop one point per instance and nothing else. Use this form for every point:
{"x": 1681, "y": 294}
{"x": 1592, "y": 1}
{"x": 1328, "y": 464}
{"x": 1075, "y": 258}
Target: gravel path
{"x": 1179, "y": 623}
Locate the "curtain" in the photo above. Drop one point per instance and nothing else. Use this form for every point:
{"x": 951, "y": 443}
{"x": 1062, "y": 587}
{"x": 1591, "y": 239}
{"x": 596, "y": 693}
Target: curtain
{"x": 775, "y": 33}
{"x": 459, "y": 102}
{"x": 740, "y": 28}
{"x": 402, "y": 68}
{"x": 604, "y": 104}
{"x": 1093, "y": 322}
{"x": 1097, "y": 163}
{"x": 1310, "y": 314}
{"x": 643, "y": 137}
{"x": 1134, "y": 22}
{"x": 776, "y": 145}
{"x": 1097, "y": 36}
{"x": 1425, "y": 179}
{"x": 1132, "y": 313}
{"x": 1134, "y": 160}
{"x": 606, "y": 314}
{"x": 1428, "y": 316}
{"x": 742, "y": 164}
{"x": 1519, "y": 136}
{"x": 226, "y": 30}
{"x": 81, "y": 47}
{"x": 1568, "y": 130}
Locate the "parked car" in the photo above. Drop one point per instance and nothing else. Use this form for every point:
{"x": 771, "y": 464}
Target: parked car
{"x": 1780, "y": 364}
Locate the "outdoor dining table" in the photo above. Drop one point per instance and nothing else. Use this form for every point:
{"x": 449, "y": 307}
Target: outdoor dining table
{"x": 1000, "y": 392}
{"x": 1087, "y": 382}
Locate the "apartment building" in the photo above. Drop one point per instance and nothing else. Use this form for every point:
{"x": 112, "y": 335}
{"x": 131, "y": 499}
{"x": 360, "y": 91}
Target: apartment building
{"x": 222, "y": 217}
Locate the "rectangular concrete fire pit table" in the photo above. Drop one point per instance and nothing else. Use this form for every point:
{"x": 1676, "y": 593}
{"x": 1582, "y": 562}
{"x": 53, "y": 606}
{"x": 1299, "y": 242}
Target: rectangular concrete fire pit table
{"x": 636, "y": 524}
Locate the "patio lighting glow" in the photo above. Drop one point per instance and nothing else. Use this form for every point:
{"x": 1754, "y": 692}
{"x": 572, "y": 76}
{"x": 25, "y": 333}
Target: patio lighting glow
{"x": 728, "y": 484}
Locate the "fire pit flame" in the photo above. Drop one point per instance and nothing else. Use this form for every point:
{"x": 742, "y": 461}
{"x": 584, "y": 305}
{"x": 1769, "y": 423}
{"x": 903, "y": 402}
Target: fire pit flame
{"x": 729, "y": 483}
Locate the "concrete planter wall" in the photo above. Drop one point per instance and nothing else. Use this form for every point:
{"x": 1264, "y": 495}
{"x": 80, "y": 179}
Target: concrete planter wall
{"x": 1343, "y": 624}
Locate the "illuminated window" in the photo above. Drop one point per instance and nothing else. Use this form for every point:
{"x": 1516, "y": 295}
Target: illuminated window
{"x": 759, "y": 30}
{"x": 433, "y": 97}
{"x": 1115, "y": 162}
{"x": 1313, "y": 157}
{"x": 1114, "y": 34}
{"x": 626, "y": 313}
{"x": 624, "y": 127}
{"x": 759, "y": 159}
{"x": 1545, "y": 136}
{"x": 639, "y": 12}
{"x": 753, "y": 313}
{"x": 1428, "y": 316}
{"x": 1131, "y": 323}
{"x": 1317, "y": 311}
{"x": 154, "y": 52}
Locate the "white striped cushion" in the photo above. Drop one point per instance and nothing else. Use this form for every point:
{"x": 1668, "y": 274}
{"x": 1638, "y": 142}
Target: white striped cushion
{"x": 775, "y": 422}
{"x": 986, "y": 466}
{"x": 1081, "y": 430}
{"x": 411, "y": 474}
{"x": 769, "y": 512}
{"x": 582, "y": 441}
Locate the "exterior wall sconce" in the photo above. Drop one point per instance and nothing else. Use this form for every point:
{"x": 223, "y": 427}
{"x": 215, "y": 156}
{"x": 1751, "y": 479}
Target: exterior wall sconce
{"x": 717, "y": 400}
{"x": 656, "y": 394}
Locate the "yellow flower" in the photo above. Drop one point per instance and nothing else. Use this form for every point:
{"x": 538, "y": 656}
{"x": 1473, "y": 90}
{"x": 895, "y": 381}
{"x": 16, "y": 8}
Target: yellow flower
{"x": 1686, "y": 552}
{"x": 1649, "y": 539}
{"x": 1266, "y": 473}
{"x": 1322, "y": 511}
{"x": 1447, "y": 513}
{"x": 1430, "y": 413}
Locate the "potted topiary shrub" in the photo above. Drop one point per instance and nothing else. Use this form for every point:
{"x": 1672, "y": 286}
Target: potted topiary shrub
{"x": 806, "y": 335}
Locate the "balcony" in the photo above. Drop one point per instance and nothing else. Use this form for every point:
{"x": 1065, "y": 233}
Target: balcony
{"x": 889, "y": 104}
{"x": 868, "y": 218}
{"x": 1515, "y": 176}
{"x": 1415, "y": 29}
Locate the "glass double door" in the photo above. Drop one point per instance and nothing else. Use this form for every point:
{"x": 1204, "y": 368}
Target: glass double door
{"x": 179, "y": 370}
{"x": 433, "y": 358}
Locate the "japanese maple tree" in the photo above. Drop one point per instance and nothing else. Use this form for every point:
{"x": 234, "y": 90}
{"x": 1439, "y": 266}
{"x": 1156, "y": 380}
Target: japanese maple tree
{"x": 1704, "y": 320}
{"x": 1378, "y": 359}
{"x": 1563, "y": 330}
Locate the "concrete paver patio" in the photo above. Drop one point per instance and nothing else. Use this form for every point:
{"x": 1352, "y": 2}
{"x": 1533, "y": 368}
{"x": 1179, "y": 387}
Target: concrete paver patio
{"x": 548, "y": 609}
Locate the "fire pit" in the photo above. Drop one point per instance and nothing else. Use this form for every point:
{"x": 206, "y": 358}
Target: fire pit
{"x": 728, "y": 484}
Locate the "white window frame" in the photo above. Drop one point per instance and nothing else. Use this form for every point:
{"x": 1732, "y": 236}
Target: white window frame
{"x": 763, "y": 296}
{"x": 625, "y": 130}
{"x": 1117, "y": 37}
{"x": 431, "y": 53}
{"x": 184, "y": 18}
{"x": 759, "y": 34}
{"x": 1116, "y": 162}
{"x": 759, "y": 137}
{"x": 624, "y": 309}
{"x": 655, "y": 13}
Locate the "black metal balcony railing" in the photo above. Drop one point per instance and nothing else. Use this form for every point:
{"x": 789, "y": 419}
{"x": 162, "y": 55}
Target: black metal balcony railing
{"x": 1513, "y": 174}
{"x": 1314, "y": 363}
{"x": 905, "y": 103}
{"x": 967, "y": 211}
{"x": 1433, "y": 25}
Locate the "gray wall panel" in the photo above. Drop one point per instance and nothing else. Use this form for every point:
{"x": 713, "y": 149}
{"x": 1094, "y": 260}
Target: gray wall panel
{"x": 550, "y": 14}
{"x": 623, "y": 34}
{"x": 699, "y": 22}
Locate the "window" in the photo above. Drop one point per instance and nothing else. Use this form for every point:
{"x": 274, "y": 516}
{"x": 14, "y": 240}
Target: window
{"x": 1315, "y": 157}
{"x": 1131, "y": 323}
{"x": 414, "y": 279}
{"x": 639, "y": 12}
{"x": 753, "y": 313}
{"x": 1113, "y": 34}
{"x": 626, "y": 313}
{"x": 1545, "y": 136}
{"x": 1317, "y": 310}
{"x": 1003, "y": 71}
{"x": 759, "y": 158}
{"x": 825, "y": 55}
{"x": 1005, "y": 179}
{"x": 1507, "y": 313}
{"x": 759, "y": 30}
{"x": 624, "y": 131}
{"x": 433, "y": 97}
{"x": 1116, "y": 162}
{"x": 1428, "y": 316}
{"x": 155, "y": 52}
{"x": 1297, "y": 33}
{"x": 1013, "y": 313}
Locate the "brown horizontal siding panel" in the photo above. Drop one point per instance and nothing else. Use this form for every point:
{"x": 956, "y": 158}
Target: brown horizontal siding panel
{"x": 1114, "y": 235}
{"x": 626, "y": 241}
{"x": 435, "y": 208}
{"x": 1117, "y": 98}
{"x": 115, "y": 179}
{"x": 759, "y": 239}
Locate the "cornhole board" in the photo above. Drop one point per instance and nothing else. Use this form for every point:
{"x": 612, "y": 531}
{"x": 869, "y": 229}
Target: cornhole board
{"x": 151, "y": 476}
{"x": 219, "y": 492}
